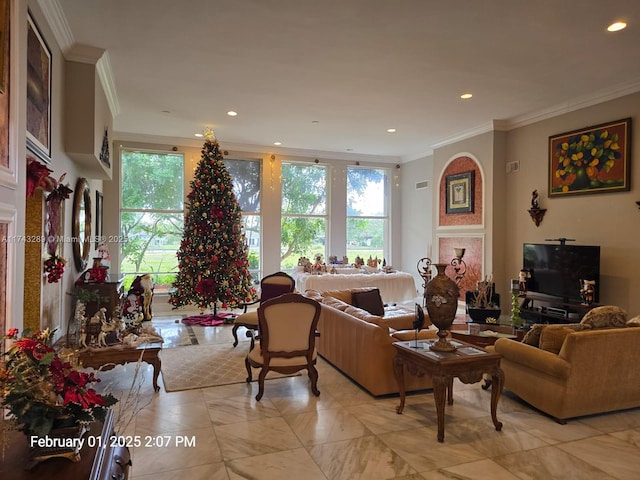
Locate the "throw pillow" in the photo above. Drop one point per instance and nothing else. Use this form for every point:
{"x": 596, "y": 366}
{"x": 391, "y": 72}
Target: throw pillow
{"x": 552, "y": 338}
{"x": 634, "y": 322}
{"x": 532, "y": 337}
{"x": 371, "y": 301}
{"x": 605, "y": 317}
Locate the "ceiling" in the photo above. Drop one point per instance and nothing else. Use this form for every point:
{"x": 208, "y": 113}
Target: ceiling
{"x": 329, "y": 77}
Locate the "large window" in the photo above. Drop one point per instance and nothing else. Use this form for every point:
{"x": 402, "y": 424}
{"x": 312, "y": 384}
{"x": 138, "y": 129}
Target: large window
{"x": 246, "y": 186}
{"x": 304, "y": 213}
{"x": 151, "y": 216}
{"x": 367, "y": 212}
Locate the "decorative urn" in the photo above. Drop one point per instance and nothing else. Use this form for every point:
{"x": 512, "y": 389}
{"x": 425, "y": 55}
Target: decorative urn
{"x": 442, "y": 303}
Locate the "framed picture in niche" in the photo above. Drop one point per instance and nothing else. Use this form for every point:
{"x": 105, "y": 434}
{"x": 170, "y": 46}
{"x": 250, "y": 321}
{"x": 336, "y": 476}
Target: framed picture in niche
{"x": 459, "y": 195}
{"x": 38, "y": 93}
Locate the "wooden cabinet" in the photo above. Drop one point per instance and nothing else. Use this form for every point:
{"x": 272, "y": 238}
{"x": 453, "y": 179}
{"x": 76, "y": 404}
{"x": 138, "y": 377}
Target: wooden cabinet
{"x": 112, "y": 294}
{"x": 536, "y": 308}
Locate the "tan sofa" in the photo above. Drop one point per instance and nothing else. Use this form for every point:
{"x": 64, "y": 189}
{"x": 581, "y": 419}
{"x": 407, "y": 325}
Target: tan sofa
{"x": 594, "y": 371}
{"x": 360, "y": 344}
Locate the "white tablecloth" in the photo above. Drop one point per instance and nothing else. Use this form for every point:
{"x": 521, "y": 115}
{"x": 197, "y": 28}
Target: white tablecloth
{"x": 394, "y": 287}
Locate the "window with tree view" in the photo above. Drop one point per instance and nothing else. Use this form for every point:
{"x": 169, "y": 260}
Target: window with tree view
{"x": 246, "y": 186}
{"x": 367, "y": 213}
{"x": 151, "y": 215}
{"x": 304, "y": 212}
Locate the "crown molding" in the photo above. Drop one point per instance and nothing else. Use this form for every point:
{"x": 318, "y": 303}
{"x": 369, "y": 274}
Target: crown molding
{"x": 617, "y": 91}
{"x": 253, "y": 148}
{"x": 75, "y": 52}
{"x": 58, "y": 23}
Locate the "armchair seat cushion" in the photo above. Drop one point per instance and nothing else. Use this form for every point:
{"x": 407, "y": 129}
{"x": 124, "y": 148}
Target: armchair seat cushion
{"x": 249, "y": 318}
{"x": 256, "y": 356}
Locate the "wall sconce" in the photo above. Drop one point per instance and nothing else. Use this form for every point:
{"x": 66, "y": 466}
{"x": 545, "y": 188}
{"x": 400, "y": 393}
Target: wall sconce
{"x": 536, "y": 213}
{"x": 459, "y": 266}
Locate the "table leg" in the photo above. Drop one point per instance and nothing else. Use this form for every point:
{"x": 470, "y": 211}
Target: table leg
{"x": 440, "y": 386}
{"x": 157, "y": 365}
{"x": 497, "y": 382}
{"x": 450, "y": 392}
{"x": 398, "y": 369}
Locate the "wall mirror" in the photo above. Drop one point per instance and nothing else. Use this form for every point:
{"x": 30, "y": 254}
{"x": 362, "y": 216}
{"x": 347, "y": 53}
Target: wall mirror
{"x": 81, "y": 228}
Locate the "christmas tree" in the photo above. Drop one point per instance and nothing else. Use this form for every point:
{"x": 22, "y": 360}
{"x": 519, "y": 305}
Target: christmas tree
{"x": 213, "y": 264}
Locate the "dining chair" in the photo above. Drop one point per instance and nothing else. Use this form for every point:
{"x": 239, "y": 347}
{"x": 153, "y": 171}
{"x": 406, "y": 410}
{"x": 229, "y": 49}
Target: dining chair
{"x": 271, "y": 286}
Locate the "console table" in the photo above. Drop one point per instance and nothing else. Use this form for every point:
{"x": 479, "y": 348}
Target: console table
{"x": 108, "y": 357}
{"x": 96, "y": 463}
{"x": 467, "y": 362}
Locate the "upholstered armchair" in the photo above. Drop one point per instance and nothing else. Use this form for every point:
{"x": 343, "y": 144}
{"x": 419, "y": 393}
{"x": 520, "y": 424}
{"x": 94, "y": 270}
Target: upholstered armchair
{"x": 287, "y": 342}
{"x": 271, "y": 286}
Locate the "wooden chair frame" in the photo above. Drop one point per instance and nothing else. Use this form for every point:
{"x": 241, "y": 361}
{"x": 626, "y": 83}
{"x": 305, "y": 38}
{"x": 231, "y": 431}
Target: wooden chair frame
{"x": 274, "y": 278}
{"x": 267, "y": 355}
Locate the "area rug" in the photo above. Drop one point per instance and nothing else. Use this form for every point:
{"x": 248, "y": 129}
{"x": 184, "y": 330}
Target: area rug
{"x": 200, "y": 366}
{"x": 209, "y": 319}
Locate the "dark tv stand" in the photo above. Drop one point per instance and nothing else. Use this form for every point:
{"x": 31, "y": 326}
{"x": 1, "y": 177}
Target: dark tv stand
{"x": 539, "y": 308}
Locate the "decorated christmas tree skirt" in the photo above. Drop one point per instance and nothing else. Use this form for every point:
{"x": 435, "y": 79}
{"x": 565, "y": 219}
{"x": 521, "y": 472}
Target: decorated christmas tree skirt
{"x": 209, "y": 319}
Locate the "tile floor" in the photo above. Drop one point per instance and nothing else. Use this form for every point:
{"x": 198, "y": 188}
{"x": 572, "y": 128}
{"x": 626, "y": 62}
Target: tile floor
{"x": 347, "y": 434}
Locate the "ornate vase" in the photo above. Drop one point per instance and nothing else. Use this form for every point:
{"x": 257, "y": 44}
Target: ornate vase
{"x": 442, "y": 303}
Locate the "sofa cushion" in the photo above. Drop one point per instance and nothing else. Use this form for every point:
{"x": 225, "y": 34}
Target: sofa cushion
{"x": 605, "y": 317}
{"x": 335, "y": 303}
{"x": 344, "y": 295}
{"x": 363, "y": 315}
{"x": 407, "y": 335}
{"x": 552, "y": 337}
{"x": 371, "y": 301}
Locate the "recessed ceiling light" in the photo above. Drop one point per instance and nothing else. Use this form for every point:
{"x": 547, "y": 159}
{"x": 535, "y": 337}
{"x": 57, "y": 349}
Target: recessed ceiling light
{"x": 198, "y": 135}
{"x": 465, "y": 96}
{"x": 231, "y": 113}
{"x": 391, "y": 130}
{"x": 616, "y": 26}
{"x": 277, "y": 143}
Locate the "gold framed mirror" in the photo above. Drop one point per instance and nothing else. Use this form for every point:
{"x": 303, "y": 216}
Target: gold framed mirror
{"x": 81, "y": 227}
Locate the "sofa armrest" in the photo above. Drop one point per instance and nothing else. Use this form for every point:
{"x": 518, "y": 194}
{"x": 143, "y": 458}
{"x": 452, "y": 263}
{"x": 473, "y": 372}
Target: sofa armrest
{"x": 532, "y": 357}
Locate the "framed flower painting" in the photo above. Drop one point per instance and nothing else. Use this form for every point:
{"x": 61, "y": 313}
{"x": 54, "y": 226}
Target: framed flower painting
{"x": 591, "y": 160}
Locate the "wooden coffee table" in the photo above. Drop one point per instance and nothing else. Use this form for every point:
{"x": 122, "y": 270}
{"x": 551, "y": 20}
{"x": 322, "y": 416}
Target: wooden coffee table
{"x": 468, "y": 363}
{"x": 108, "y": 357}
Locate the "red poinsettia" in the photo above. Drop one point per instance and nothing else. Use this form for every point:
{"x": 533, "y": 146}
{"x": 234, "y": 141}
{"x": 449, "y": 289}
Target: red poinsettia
{"x": 36, "y": 175}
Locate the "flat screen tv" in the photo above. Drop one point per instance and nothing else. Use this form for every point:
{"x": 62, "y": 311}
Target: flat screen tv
{"x": 558, "y": 270}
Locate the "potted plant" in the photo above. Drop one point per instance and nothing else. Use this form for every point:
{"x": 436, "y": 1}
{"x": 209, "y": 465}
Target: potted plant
{"x": 42, "y": 390}
{"x": 483, "y": 305}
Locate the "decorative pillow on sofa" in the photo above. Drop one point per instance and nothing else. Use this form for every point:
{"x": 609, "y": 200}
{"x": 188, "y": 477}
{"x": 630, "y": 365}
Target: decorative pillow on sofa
{"x": 371, "y": 301}
{"x": 634, "y": 322}
{"x": 552, "y": 337}
{"x": 532, "y": 337}
{"x": 605, "y": 317}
